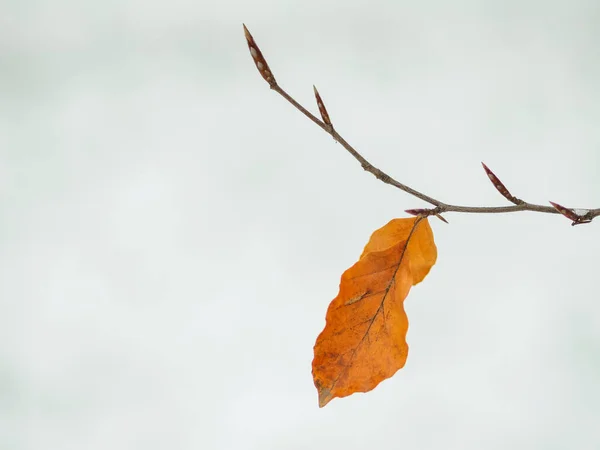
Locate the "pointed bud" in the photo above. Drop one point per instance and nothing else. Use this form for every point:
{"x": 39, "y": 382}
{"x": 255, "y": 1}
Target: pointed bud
{"x": 500, "y": 186}
{"x": 578, "y": 216}
{"x": 259, "y": 60}
{"x": 322, "y": 109}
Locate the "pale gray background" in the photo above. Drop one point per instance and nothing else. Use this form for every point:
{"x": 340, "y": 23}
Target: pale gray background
{"x": 172, "y": 231}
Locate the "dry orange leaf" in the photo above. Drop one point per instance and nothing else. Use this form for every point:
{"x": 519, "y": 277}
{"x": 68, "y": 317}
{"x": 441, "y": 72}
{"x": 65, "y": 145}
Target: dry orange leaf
{"x": 364, "y": 340}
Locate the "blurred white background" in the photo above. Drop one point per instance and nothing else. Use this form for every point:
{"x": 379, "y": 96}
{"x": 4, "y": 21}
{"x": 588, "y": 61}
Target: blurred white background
{"x": 172, "y": 231}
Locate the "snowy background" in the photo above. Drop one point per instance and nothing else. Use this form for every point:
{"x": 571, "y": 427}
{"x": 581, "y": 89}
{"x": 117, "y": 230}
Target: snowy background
{"x": 172, "y": 231}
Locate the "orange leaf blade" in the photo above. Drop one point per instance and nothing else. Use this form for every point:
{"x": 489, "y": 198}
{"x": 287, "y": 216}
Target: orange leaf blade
{"x": 422, "y": 246}
{"x": 364, "y": 340}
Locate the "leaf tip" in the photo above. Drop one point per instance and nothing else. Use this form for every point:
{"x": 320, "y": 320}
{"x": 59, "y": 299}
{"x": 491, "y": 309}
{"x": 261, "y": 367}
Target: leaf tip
{"x": 324, "y": 397}
{"x": 324, "y": 392}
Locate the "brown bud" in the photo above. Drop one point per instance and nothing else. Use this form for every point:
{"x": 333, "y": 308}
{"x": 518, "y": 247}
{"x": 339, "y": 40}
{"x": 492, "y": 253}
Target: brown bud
{"x": 577, "y": 216}
{"x": 500, "y": 186}
{"x": 322, "y": 109}
{"x": 259, "y": 59}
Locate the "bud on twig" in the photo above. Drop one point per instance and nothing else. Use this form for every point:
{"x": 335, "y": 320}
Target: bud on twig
{"x": 578, "y": 216}
{"x": 259, "y": 59}
{"x": 322, "y": 109}
{"x": 500, "y": 186}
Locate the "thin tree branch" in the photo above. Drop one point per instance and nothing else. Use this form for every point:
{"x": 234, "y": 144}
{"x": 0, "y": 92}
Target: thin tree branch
{"x": 366, "y": 165}
{"x": 577, "y": 216}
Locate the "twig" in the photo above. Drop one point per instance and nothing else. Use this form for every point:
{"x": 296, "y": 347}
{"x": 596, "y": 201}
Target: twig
{"x": 577, "y": 216}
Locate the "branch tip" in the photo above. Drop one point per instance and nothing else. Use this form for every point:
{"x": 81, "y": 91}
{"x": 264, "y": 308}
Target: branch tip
{"x": 259, "y": 59}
